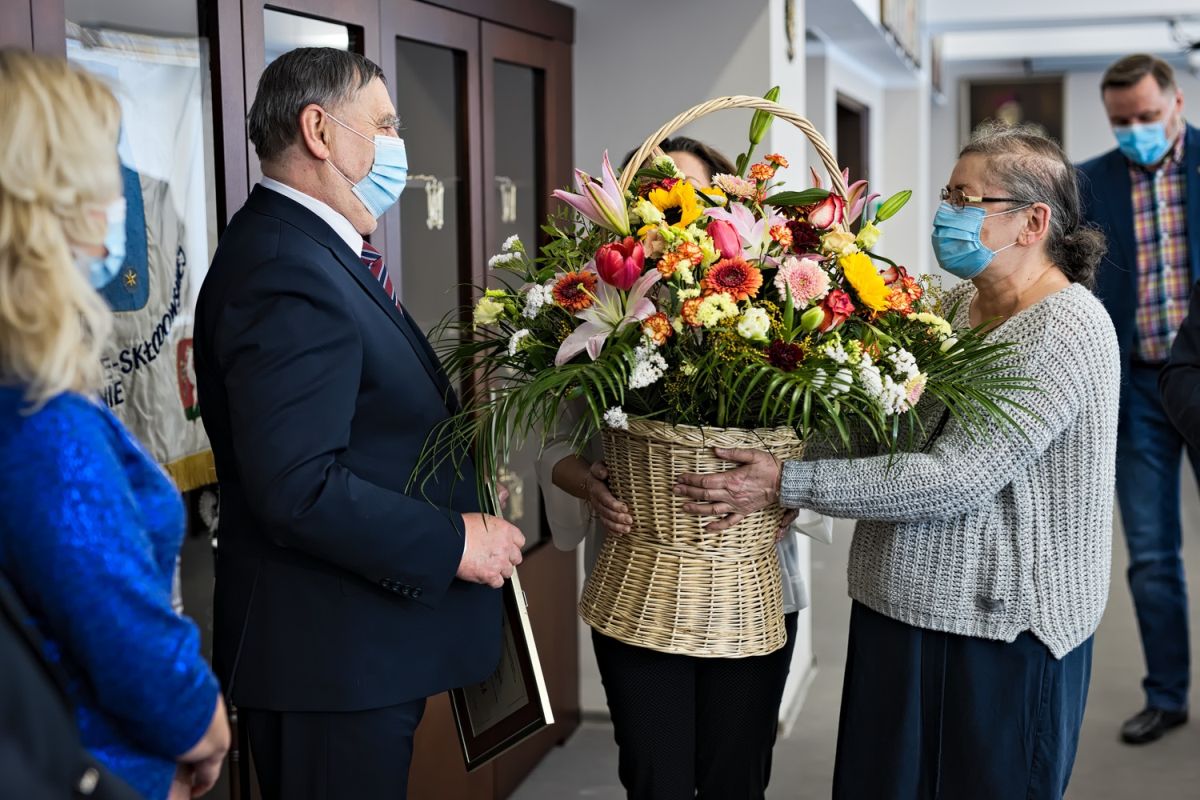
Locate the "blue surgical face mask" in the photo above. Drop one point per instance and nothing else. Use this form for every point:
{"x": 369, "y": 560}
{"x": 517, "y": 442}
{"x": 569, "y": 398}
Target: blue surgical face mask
{"x": 956, "y": 242}
{"x": 1143, "y": 144}
{"x": 100, "y": 270}
{"x": 381, "y": 187}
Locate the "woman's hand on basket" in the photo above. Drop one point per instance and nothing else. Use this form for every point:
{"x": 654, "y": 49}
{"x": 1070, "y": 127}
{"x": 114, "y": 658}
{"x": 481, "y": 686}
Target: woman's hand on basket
{"x": 611, "y": 512}
{"x": 735, "y": 494}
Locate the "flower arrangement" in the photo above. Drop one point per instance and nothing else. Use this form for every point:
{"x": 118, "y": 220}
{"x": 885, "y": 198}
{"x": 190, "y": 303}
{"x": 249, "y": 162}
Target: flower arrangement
{"x": 739, "y": 304}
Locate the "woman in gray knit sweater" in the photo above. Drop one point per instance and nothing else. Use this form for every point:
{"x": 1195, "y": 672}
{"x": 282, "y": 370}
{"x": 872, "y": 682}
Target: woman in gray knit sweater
{"x": 979, "y": 567}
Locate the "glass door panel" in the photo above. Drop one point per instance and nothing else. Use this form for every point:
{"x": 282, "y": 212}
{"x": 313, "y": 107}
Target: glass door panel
{"x": 434, "y": 212}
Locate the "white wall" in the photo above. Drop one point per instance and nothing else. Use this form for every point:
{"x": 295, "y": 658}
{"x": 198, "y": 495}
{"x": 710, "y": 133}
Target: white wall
{"x": 639, "y": 63}
{"x": 899, "y": 136}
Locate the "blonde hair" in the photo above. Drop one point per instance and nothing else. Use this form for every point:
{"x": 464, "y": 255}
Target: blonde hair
{"x": 58, "y": 165}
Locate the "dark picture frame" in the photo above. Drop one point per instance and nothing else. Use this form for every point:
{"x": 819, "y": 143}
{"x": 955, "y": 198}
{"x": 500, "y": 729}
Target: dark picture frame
{"x": 1037, "y": 100}
{"x": 512, "y": 704}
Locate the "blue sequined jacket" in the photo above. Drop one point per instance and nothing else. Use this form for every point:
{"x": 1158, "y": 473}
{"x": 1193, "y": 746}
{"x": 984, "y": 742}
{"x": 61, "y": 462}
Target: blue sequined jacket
{"x": 89, "y": 530}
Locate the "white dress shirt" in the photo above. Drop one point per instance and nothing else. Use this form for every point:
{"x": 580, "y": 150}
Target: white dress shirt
{"x": 341, "y": 226}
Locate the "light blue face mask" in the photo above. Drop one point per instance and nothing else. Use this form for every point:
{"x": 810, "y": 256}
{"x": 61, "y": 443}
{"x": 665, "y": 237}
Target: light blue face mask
{"x": 381, "y": 187}
{"x": 100, "y": 270}
{"x": 1143, "y": 144}
{"x": 956, "y": 242}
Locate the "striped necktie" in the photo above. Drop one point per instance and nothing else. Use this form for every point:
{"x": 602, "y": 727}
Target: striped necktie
{"x": 374, "y": 262}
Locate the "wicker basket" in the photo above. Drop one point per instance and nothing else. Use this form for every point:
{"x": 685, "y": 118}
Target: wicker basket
{"x": 669, "y": 584}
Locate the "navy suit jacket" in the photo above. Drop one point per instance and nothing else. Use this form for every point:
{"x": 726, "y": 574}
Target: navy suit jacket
{"x": 335, "y": 585}
{"x": 1106, "y": 192}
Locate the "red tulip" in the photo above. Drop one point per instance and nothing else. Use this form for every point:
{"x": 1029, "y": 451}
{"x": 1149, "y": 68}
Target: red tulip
{"x": 725, "y": 238}
{"x": 620, "y": 264}
{"x": 828, "y": 212}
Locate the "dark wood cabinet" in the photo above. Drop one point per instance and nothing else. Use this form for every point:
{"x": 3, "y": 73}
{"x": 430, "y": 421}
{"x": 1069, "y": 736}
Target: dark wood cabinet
{"x": 484, "y": 90}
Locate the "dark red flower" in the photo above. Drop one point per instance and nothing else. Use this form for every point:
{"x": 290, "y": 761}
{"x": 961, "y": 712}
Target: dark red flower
{"x": 805, "y": 238}
{"x": 785, "y": 355}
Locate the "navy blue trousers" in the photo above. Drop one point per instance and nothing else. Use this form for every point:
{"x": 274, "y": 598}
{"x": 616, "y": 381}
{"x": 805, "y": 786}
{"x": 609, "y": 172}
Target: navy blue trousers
{"x": 935, "y": 716}
{"x": 353, "y": 755}
{"x": 1149, "y": 451}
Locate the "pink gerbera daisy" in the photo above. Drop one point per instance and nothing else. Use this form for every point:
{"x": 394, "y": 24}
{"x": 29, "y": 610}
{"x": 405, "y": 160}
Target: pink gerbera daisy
{"x": 804, "y": 279}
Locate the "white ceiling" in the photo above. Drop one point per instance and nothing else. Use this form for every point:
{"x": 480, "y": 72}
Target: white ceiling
{"x": 1083, "y": 31}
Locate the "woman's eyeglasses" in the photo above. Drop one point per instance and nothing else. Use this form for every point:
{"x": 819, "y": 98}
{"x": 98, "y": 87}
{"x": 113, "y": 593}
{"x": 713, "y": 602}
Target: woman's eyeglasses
{"x": 959, "y": 199}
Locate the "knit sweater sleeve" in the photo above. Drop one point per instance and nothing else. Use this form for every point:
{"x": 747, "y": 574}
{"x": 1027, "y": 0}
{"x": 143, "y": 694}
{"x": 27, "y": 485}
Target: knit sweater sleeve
{"x": 963, "y": 467}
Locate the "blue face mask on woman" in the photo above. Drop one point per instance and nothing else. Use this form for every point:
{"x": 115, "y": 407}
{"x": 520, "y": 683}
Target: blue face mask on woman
{"x": 381, "y": 187}
{"x": 1143, "y": 144}
{"x": 100, "y": 270}
{"x": 956, "y": 242}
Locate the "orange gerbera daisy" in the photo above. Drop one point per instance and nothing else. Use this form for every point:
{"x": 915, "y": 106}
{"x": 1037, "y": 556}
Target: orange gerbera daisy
{"x": 657, "y": 327}
{"x": 735, "y": 277}
{"x": 575, "y": 291}
{"x": 690, "y": 311}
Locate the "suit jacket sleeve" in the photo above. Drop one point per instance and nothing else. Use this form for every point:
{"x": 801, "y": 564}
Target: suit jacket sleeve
{"x": 291, "y": 356}
{"x": 1179, "y": 382}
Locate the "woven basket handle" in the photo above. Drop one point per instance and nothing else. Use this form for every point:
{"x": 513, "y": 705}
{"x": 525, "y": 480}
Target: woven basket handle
{"x": 736, "y": 101}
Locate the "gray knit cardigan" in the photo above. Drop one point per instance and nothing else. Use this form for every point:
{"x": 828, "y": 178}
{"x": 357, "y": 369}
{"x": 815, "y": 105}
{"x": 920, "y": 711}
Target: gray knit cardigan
{"x": 1003, "y": 533}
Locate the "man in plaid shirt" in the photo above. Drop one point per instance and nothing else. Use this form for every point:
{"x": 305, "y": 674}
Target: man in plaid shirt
{"x": 1143, "y": 195}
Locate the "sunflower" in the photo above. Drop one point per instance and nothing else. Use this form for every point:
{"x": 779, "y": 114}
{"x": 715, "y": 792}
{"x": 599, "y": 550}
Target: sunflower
{"x": 678, "y": 204}
{"x": 866, "y": 281}
{"x": 575, "y": 290}
{"x": 734, "y": 277}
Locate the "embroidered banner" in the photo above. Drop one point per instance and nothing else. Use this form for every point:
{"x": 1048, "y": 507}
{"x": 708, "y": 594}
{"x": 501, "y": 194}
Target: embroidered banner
{"x": 169, "y": 227}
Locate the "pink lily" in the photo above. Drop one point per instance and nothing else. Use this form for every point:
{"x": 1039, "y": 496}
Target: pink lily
{"x": 856, "y": 194}
{"x": 612, "y": 312}
{"x": 755, "y": 233}
{"x": 601, "y": 202}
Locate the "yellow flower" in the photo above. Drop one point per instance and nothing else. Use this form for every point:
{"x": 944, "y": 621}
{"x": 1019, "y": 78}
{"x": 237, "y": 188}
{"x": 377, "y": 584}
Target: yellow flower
{"x": 839, "y": 242}
{"x": 677, "y": 204}
{"x": 865, "y": 279}
{"x": 716, "y": 195}
{"x": 715, "y": 308}
{"x": 868, "y": 235}
{"x": 935, "y": 323}
{"x": 488, "y": 310}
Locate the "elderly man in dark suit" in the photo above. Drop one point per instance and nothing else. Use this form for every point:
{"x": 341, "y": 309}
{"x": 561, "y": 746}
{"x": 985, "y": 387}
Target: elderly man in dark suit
{"x": 1145, "y": 196}
{"x": 343, "y": 596}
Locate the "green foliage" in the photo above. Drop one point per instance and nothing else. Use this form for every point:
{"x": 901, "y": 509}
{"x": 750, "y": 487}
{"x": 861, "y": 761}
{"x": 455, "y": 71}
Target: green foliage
{"x": 807, "y": 197}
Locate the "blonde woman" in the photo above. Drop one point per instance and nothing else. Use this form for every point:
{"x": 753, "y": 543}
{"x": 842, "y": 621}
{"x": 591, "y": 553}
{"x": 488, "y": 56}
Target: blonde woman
{"x": 89, "y": 525}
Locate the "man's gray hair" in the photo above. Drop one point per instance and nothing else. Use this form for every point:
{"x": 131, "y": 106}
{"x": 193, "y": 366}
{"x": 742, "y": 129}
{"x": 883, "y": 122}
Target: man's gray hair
{"x": 322, "y": 75}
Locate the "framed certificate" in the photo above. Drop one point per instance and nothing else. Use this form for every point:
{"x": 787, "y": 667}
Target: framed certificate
{"x": 512, "y": 704}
